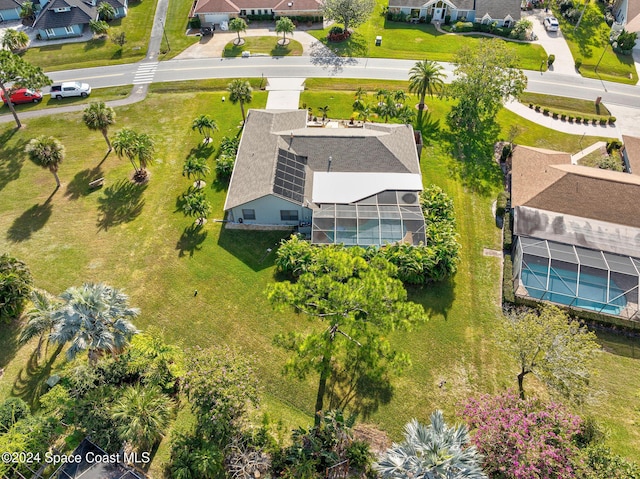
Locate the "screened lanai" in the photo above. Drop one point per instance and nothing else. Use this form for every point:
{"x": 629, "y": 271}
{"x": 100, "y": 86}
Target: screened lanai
{"x": 579, "y": 277}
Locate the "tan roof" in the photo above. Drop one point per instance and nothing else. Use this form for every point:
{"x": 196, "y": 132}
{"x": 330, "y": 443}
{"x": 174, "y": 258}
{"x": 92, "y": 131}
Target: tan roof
{"x": 215, "y": 6}
{"x": 545, "y": 180}
{"x": 633, "y": 16}
{"x": 632, "y": 150}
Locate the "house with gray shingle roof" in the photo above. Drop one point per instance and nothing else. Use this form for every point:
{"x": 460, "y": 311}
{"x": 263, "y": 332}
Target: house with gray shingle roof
{"x": 9, "y": 10}
{"x": 349, "y": 185}
{"x": 503, "y": 12}
{"x": 576, "y": 233}
{"x": 69, "y": 18}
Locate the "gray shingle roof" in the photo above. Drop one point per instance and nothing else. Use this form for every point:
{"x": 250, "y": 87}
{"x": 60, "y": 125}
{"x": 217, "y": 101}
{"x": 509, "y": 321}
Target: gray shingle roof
{"x": 376, "y": 148}
{"x": 81, "y": 13}
{"x": 498, "y": 9}
{"x": 9, "y": 4}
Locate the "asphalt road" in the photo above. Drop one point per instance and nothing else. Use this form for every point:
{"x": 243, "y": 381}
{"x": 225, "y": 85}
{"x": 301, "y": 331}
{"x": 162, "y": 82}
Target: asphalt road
{"x": 308, "y": 67}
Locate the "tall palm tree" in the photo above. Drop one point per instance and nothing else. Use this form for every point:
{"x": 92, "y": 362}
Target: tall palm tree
{"x": 436, "y": 451}
{"x": 324, "y": 110}
{"x": 284, "y": 25}
{"x": 15, "y": 40}
{"x": 196, "y": 167}
{"x": 425, "y": 77}
{"x": 47, "y": 152}
{"x": 41, "y": 320}
{"x": 238, "y": 25}
{"x": 205, "y": 126}
{"x": 95, "y": 318}
{"x": 142, "y": 415}
{"x": 135, "y": 146}
{"x": 99, "y": 117}
{"x": 240, "y": 91}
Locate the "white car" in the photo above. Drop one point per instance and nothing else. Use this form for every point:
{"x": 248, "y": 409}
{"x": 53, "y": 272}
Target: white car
{"x": 551, "y": 24}
{"x": 63, "y": 90}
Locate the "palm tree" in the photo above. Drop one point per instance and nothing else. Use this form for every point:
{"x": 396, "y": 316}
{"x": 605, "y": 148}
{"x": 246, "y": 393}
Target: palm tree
{"x": 41, "y": 320}
{"x": 99, "y": 117}
{"x": 196, "y": 167}
{"x": 365, "y": 113}
{"x": 238, "y": 25}
{"x": 142, "y": 415}
{"x": 27, "y": 12}
{"x": 47, "y": 152}
{"x": 284, "y": 25}
{"x": 106, "y": 11}
{"x": 436, "y": 451}
{"x": 195, "y": 204}
{"x": 15, "y": 40}
{"x": 425, "y": 77}
{"x": 387, "y": 108}
{"x": 324, "y": 110}
{"x": 399, "y": 97}
{"x": 99, "y": 27}
{"x": 406, "y": 115}
{"x": 205, "y": 125}
{"x": 360, "y": 93}
{"x": 240, "y": 91}
{"x": 382, "y": 93}
{"x": 95, "y": 318}
{"x": 140, "y": 146}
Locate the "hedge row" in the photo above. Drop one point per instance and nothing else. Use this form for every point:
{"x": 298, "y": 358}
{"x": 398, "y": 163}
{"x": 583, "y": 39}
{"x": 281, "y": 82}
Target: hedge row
{"x": 574, "y": 117}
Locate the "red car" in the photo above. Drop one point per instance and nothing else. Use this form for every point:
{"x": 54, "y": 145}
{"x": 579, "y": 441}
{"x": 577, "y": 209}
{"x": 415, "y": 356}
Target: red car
{"x": 23, "y": 95}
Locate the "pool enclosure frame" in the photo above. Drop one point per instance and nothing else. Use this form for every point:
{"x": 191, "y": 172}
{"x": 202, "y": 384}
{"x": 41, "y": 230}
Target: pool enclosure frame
{"x": 577, "y": 277}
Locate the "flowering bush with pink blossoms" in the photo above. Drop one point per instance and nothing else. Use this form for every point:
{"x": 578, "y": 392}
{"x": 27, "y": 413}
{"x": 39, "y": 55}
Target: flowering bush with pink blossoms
{"x": 523, "y": 439}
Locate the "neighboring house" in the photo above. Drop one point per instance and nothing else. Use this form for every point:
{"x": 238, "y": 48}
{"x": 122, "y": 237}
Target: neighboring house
{"x": 69, "y": 18}
{"x": 95, "y": 464}
{"x": 213, "y": 12}
{"x": 577, "y": 233}
{"x": 503, "y": 12}
{"x": 9, "y": 10}
{"x": 627, "y": 13}
{"x": 351, "y": 185}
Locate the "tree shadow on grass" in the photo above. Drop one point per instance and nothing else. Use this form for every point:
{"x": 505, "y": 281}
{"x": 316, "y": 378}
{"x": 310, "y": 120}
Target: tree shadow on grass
{"x": 12, "y": 158}
{"x": 191, "y": 240}
{"x": 323, "y": 55}
{"x": 79, "y": 186}
{"x": 30, "y": 221}
{"x": 203, "y": 150}
{"x": 251, "y": 247}
{"x": 9, "y": 334}
{"x": 120, "y": 203}
{"x": 31, "y": 381}
{"x": 436, "y": 298}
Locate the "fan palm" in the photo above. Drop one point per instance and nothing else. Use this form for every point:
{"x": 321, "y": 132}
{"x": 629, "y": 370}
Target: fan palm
{"x": 106, "y": 11}
{"x": 15, "y": 40}
{"x": 95, "y": 318}
{"x": 142, "y": 415}
{"x": 324, "y": 110}
{"x": 41, "y": 319}
{"x": 205, "y": 126}
{"x": 47, "y": 152}
{"x": 240, "y": 92}
{"x": 425, "y": 77}
{"x": 436, "y": 451}
{"x": 99, "y": 117}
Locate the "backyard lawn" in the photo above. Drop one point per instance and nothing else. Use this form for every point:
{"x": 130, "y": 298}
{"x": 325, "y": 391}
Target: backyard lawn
{"x": 133, "y": 237}
{"x": 590, "y": 43}
{"x": 97, "y": 52}
{"x": 408, "y": 41}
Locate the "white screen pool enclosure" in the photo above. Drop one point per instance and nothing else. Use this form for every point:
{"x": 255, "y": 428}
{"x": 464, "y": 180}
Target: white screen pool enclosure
{"x": 578, "y": 277}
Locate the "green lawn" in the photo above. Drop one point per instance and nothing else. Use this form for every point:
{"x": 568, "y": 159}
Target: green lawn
{"x": 98, "y": 52}
{"x": 590, "y": 43}
{"x": 409, "y": 41}
{"x": 267, "y": 45}
{"x": 176, "y": 40}
{"x": 562, "y": 104}
{"x": 134, "y": 238}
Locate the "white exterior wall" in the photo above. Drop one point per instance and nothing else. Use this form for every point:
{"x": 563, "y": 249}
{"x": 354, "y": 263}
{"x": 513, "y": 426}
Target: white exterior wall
{"x": 267, "y": 211}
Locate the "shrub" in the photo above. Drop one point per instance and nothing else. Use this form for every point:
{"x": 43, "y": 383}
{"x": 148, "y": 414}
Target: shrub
{"x": 555, "y": 115}
{"x": 501, "y": 203}
{"x": 545, "y": 111}
{"x": 508, "y": 294}
{"x": 537, "y": 108}
{"x": 195, "y": 22}
{"x": 603, "y": 121}
{"x": 507, "y": 231}
{"x": 612, "y": 120}
{"x": 578, "y": 119}
{"x": 11, "y": 411}
{"x": 563, "y": 116}
{"x": 613, "y": 145}
{"x": 566, "y": 5}
{"x": 294, "y": 256}
{"x": 626, "y": 40}
{"x": 506, "y": 152}
{"x": 224, "y": 166}
{"x": 447, "y": 19}
{"x": 578, "y": 63}
{"x": 15, "y": 287}
{"x": 610, "y": 162}
{"x": 551, "y": 59}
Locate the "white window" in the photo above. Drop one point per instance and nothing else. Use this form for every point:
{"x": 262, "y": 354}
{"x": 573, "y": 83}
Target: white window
{"x": 249, "y": 214}
{"x": 50, "y": 32}
{"x": 68, "y": 29}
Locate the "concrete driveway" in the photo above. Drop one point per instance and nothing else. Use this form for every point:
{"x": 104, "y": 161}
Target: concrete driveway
{"x": 553, "y": 43}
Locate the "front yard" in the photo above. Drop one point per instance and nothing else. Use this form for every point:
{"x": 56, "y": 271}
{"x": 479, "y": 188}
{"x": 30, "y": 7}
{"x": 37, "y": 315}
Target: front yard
{"x": 134, "y": 238}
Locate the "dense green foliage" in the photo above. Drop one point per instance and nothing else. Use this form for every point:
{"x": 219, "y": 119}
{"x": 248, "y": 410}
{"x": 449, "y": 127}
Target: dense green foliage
{"x": 99, "y": 117}
{"x": 47, "y": 152}
{"x": 11, "y": 411}
{"x": 350, "y": 13}
{"x": 15, "y": 286}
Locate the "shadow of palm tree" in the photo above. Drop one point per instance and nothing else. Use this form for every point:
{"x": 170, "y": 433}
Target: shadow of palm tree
{"x": 29, "y": 222}
{"x": 12, "y": 158}
{"x": 120, "y": 203}
{"x": 9, "y": 334}
{"x": 31, "y": 381}
{"x": 191, "y": 240}
{"x": 203, "y": 150}
{"x": 79, "y": 186}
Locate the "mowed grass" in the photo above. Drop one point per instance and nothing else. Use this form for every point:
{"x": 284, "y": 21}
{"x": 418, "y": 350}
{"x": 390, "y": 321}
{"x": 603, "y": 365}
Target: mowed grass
{"x": 590, "y": 43}
{"x": 101, "y": 51}
{"x": 268, "y": 45}
{"x": 175, "y": 39}
{"x": 409, "y": 41}
{"x": 565, "y": 105}
{"x": 134, "y": 238}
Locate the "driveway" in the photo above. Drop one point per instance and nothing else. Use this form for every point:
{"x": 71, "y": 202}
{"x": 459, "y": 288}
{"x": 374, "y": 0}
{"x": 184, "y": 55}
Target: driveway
{"x": 553, "y": 43}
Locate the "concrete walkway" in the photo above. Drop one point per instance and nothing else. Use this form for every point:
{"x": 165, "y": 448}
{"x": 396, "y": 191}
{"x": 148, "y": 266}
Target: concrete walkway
{"x": 284, "y": 93}
{"x": 563, "y": 126}
{"x": 553, "y": 43}
{"x": 598, "y": 145}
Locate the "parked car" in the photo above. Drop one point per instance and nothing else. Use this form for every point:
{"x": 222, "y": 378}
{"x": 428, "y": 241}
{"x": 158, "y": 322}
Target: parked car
{"x": 66, "y": 89}
{"x": 22, "y": 95}
{"x": 551, "y": 24}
